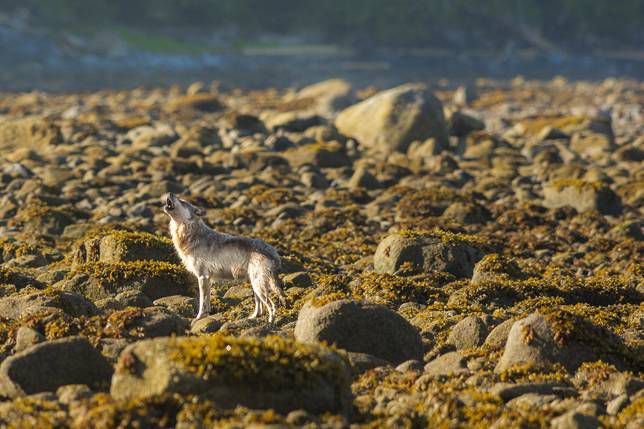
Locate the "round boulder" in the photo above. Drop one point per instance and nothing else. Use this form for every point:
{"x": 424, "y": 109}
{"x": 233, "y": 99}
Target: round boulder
{"x": 390, "y": 120}
{"x": 269, "y": 373}
{"x": 426, "y": 253}
{"x": 360, "y": 327}
{"x": 469, "y": 332}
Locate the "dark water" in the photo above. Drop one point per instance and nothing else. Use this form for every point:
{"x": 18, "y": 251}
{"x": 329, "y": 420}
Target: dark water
{"x": 34, "y": 62}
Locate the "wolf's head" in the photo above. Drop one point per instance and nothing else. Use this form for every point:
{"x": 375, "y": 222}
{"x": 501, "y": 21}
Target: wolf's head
{"x": 179, "y": 210}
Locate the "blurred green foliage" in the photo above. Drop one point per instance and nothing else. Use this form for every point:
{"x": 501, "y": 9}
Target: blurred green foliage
{"x": 414, "y": 23}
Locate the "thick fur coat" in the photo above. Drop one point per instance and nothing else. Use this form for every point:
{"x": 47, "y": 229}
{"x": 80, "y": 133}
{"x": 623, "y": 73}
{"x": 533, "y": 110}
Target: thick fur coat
{"x": 211, "y": 255}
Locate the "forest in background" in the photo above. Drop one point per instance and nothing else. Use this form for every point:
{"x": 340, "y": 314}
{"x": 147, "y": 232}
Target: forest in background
{"x": 547, "y": 24}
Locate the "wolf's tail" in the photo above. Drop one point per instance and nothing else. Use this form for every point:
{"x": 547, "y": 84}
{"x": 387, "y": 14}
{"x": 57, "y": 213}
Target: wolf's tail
{"x": 276, "y": 286}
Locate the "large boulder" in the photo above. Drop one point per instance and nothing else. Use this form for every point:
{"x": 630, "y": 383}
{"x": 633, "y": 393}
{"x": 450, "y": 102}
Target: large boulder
{"x": 19, "y": 304}
{"x": 582, "y": 196}
{"x": 558, "y": 337}
{"x": 123, "y": 246}
{"x": 360, "y": 327}
{"x": 156, "y": 279}
{"x": 426, "y": 253}
{"x": 49, "y": 365}
{"x": 269, "y": 373}
{"x": 390, "y": 120}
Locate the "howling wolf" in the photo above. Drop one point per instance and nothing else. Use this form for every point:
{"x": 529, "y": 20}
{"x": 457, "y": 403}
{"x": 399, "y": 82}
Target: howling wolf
{"x": 212, "y": 255}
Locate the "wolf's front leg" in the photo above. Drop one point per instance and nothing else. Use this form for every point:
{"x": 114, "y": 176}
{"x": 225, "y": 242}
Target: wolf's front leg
{"x": 204, "y": 297}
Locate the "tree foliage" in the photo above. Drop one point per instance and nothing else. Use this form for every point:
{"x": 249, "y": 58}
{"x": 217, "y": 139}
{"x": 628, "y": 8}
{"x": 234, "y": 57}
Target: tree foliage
{"x": 415, "y": 23}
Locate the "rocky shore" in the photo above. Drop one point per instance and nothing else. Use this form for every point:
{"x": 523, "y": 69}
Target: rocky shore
{"x": 452, "y": 256}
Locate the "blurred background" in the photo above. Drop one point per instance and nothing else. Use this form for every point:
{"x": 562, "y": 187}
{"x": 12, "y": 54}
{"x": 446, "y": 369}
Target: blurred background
{"x": 90, "y": 44}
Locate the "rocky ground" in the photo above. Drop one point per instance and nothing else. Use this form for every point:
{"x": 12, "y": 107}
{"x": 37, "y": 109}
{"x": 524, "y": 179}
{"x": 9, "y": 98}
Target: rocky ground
{"x": 453, "y": 257}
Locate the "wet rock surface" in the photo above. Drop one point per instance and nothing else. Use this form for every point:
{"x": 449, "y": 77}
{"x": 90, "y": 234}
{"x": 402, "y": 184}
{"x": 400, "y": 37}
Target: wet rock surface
{"x": 471, "y": 256}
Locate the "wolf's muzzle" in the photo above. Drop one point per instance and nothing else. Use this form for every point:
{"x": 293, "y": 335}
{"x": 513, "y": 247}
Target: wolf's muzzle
{"x": 169, "y": 204}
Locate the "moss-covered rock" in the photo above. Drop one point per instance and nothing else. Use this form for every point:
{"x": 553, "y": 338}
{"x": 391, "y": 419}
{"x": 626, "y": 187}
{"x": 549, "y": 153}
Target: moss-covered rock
{"x": 124, "y": 246}
{"x": 350, "y": 325}
{"x": 269, "y": 373}
{"x": 425, "y": 251}
{"x": 556, "y": 336}
{"x": 495, "y": 266}
{"x": 156, "y": 279}
{"x": 581, "y": 195}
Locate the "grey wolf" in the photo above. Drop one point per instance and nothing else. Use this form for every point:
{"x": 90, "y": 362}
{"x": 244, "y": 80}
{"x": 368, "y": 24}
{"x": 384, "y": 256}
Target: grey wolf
{"x": 211, "y": 255}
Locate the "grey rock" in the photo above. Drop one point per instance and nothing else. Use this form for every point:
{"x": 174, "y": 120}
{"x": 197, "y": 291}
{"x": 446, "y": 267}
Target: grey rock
{"x": 350, "y": 325}
{"x": 294, "y": 121}
{"x": 539, "y": 348}
{"x": 532, "y": 400}
{"x": 582, "y": 197}
{"x": 298, "y": 279}
{"x": 361, "y": 362}
{"x": 410, "y": 365}
{"x": 207, "y": 325}
{"x": 124, "y": 246}
{"x": 159, "y": 322}
{"x": 575, "y": 420}
{"x": 508, "y": 391}
{"x": 111, "y": 348}
{"x": 27, "y": 337}
{"x": 184, "y": 306}
{"x": 498, "y": 336}
{"x": 322, "y": 154}
{"x": 461, "y": 124}
{"x": 73, "y": 392}
{"x": 467, "y": 213}
{"x": 150, "y": 367}
{"x": 49, "y": 365}
{"x": 452, "y": 363}
{"x": 133, "y": 298}
{"x": 390, "y": 120}
{"x": 468, "y": 333}
{"x": 327, "y": 96}
{"x": 425, "y": 254}
{"x": 15, "y": 306}
{"x": 362, "y": 178}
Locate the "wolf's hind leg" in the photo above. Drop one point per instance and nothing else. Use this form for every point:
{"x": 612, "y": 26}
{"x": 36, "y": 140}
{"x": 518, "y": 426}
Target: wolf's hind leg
{"x": 258, "y": 307}
{"x": 263, "y": 298}
{"x": 272, "y": 309}
{"x": 268, "y": 302}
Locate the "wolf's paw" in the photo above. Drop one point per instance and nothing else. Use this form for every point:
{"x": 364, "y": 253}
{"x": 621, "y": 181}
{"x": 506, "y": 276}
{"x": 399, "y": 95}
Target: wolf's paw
{"x": 198, "y": 317}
